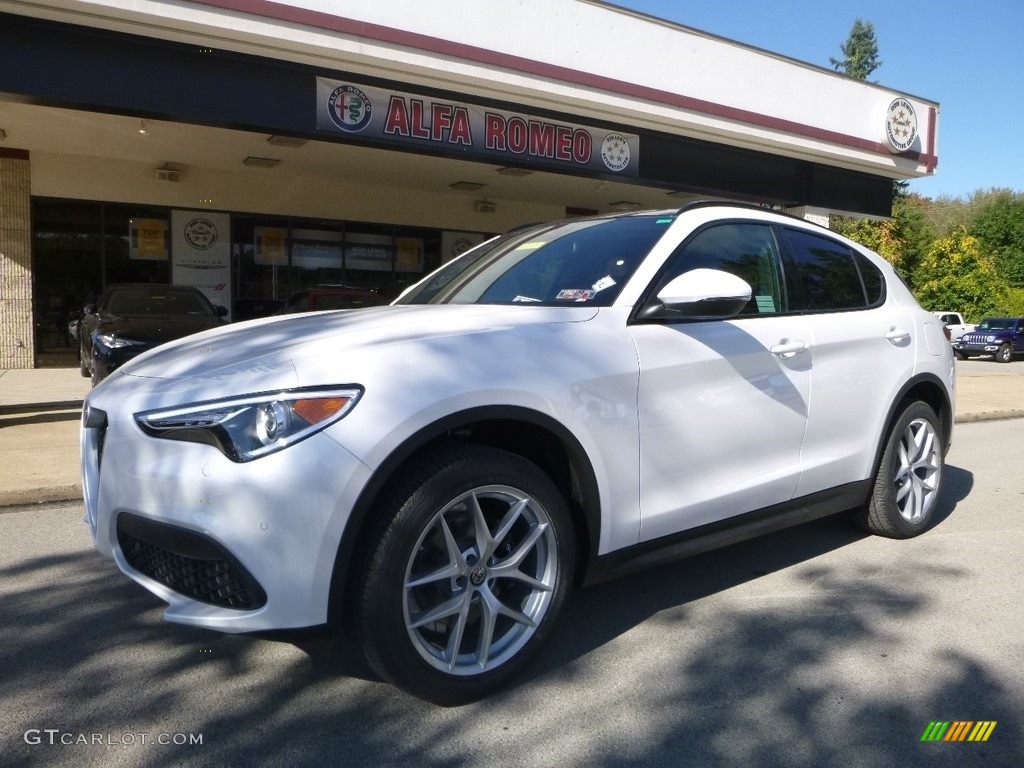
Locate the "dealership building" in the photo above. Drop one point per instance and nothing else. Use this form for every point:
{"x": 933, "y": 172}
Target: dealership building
{"x": 254, "y": 148}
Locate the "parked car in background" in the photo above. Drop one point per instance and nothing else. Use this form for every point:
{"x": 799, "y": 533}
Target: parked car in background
{"x": 324, "y": 297}
{"x": 131, "y": 318}
{"x": 954, "y": 323}
{"x": 563, "y": 404}
{"x": 1001, "y": 337}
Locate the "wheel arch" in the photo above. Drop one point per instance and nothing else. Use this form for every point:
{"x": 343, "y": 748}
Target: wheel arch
{"x": 535, "y": 436}
{"x": 930, "y": 389}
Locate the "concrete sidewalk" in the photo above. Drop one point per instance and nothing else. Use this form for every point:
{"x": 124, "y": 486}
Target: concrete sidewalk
{"x": 39, "y": 415}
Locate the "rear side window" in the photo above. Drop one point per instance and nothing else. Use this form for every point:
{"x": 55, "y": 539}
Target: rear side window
{"x": 827, "y": 276}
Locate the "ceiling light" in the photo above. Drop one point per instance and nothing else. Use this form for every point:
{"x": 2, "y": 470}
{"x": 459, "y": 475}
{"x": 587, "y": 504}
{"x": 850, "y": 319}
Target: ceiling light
{"x": 260, "y": 162}
{"x": 510, "y": 171}
{"x": 466, "y": 186}
{"x": 143, "y": 130}
{"x": 286, "y": 141}
{"x": 625, "y": 205}
{"x": 484, "y": 206}
{"x": 3, "y": 134}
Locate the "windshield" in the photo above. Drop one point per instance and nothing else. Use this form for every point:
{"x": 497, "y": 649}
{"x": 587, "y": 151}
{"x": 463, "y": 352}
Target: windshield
{"x": 995, "y": 324}
{"x": 586, "y": 261}
{"x": 159, "y": 300}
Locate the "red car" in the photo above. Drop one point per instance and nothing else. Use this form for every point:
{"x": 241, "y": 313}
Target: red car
{"x": 331, "y": 297}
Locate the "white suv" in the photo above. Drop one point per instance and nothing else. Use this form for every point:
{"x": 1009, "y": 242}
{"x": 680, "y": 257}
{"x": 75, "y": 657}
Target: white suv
{"x": 563, "y": 404}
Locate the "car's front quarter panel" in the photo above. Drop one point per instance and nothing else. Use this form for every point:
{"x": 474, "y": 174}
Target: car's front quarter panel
{"x": 281, "y": 516}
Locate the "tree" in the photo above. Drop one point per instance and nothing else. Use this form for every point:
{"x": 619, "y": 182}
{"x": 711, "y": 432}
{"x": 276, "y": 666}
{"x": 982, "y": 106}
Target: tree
{"x": 999, "y": 226}
{"x": 902, "y": 240}
{"x": 956, "y": 274}
{"x": 860, "y": 52}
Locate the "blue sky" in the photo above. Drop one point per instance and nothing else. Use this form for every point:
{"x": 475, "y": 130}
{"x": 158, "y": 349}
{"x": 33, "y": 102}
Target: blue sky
{"x": 968, "y": 56}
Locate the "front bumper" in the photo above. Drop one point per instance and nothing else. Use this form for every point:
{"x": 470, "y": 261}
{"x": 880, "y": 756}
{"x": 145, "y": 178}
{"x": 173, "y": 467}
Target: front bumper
{"x": 236, "y": 547}
{"x": 977, "y": 349}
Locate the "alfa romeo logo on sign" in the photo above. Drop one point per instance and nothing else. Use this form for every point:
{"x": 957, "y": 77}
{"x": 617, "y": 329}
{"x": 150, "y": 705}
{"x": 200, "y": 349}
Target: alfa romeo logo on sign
{"x": 201, "y": 234}
{"x": 615, "y": 152}
{"x": 349, "y": 108}
{"x": 900, "y": 125}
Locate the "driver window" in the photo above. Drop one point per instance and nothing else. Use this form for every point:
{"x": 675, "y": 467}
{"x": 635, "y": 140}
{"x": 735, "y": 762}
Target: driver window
{"x": 745, "y": 250}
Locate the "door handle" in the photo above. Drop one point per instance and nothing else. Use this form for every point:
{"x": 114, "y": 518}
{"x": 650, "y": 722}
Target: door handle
{"x": 788, "y": 348}
{"x": 897, "y": 335}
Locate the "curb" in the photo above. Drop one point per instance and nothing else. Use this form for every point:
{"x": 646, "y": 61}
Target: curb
{"x": 967, "y": 418}
{"x": 30, "y": 496}
{"x": 62, "y": 405}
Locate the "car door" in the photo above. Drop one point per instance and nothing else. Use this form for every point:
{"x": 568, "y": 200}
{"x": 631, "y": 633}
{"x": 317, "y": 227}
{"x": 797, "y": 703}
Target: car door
{"x": 722, "y": 404}
{"x": 863, "y": 350}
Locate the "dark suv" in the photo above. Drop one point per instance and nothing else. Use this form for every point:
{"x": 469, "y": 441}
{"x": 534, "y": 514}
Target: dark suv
{"x": 1001, "y": 337}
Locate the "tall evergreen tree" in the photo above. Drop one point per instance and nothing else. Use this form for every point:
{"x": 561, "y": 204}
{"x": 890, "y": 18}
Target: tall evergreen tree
{"x": 860, "y": 52}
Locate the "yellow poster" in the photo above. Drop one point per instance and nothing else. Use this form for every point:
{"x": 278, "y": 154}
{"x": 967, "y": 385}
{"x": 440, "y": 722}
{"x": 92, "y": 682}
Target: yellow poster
{"x": 271, "y": 246}
{"x": 410, "y": 254}
{"x": 148, "y": 239}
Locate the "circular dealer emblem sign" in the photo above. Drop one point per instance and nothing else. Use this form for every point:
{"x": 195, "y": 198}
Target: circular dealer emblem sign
{"x": 900, "y": 125}
{"x": 200, "y": 234}
{"x": 459, "y": 247}
{"x": 349, "y": 108}
{"x": 615, "y": 152}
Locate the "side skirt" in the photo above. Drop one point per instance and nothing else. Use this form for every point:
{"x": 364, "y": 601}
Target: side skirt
{"x": 725, "y": 532}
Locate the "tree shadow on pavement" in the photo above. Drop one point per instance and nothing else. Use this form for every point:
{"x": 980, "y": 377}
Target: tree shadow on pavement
{"x": 817, "y": 646}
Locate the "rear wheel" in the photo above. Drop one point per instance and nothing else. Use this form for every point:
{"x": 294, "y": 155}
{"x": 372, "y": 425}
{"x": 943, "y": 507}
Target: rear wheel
{"x": 1004, "y": 354}
{"x": 909, "y": 476}
{"x": 465, "y": 574}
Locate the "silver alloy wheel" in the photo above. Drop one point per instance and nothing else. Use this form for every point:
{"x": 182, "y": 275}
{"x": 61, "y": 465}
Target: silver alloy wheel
{"x": 480, "y": 580}
{"x": 919, "y": 465}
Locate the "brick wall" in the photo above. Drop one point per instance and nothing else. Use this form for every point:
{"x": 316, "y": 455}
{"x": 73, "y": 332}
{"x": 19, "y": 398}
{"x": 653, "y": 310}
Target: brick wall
{"x": 16, "y": 333}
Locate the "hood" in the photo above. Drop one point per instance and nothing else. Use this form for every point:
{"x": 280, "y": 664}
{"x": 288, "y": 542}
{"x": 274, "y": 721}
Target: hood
{"x": 273, "y": 348}
{"x": 157, "y": 328}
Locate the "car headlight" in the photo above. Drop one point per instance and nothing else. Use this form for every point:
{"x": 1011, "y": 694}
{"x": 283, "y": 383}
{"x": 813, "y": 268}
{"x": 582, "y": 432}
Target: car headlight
{"x": 245, "y": 428}
{"x": 111, "y": 341}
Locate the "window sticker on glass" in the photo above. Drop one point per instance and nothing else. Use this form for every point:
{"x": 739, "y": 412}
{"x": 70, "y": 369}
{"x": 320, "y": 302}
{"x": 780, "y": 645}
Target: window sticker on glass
{"x": 575, "y": 294}
{"x": 604, "y": 282}
{"x": 765, "y": 304}
{"x": 531, "y": 246}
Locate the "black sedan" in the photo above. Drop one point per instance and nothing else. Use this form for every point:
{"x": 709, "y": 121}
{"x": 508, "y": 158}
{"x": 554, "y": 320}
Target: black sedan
{"x": 129, "y": 319}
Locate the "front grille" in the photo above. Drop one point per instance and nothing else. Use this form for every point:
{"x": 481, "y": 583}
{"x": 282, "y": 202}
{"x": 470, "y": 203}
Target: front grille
{"x": 188, "y": 562}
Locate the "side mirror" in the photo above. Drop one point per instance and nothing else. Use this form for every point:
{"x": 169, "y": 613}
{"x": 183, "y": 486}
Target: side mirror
{"x": 703, "y": 294}
{"x": 221, "y": 311}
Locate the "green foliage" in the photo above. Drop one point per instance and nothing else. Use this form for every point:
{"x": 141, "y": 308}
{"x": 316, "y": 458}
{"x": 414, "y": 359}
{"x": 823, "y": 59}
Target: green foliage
{"x": 999, "y": 226}
{"x": 860, "y": 52}
{"x": 901, "y": 240}
{"x": 1014, "y": 303}
{"x": 956, "y": 274}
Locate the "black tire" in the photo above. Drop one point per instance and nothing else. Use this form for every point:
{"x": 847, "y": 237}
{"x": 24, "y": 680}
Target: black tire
{"x": 1004, "y": 354}
{"x": 959, "y": 355}
{"x": 908, "y": 481}
{"x": 82, "y": 367}
{"x": 420, "y": 579}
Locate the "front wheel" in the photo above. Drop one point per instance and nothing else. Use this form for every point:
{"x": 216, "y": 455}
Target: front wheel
{"x": 909, "y": 476}
{"x": 465, "y": 575}
{"x": 959, "y": 355}
{"x": 1004, "y": 354}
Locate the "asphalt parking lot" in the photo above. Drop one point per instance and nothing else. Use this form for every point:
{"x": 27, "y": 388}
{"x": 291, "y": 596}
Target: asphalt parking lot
{"x": 818, "y": 646}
